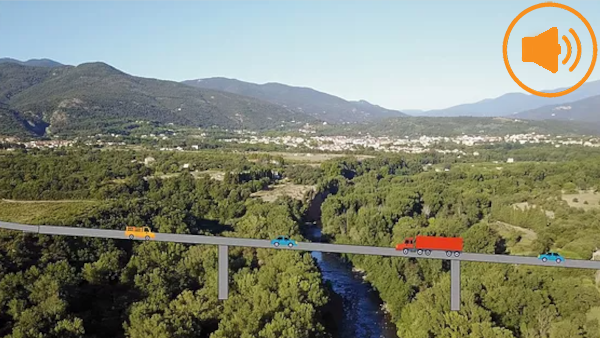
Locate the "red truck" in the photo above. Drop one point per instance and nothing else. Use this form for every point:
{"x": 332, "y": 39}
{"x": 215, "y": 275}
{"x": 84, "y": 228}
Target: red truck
{"x": 427, "y": 243}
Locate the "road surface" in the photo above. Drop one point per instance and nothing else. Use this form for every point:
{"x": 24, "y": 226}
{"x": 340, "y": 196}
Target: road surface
{"x": 302, "y": 246}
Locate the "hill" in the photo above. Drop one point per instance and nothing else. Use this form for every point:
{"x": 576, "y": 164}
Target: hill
{"x": 511, "y": 103}
{"x": 94, "y": 96}
{"x": 33, "y": 62}
{"x": 11, "y": 124}
{"x": 454, "y": 126}
{"x": 302, "y": 100}
{"x": 586, "y": 110}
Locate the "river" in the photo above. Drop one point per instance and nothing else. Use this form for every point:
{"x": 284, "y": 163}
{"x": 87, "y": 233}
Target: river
{"x": 361, "y": 313}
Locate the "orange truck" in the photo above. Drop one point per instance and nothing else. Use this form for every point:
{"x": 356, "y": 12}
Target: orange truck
{"x": 141, "y": 232}
{"x": 420, "y": 244}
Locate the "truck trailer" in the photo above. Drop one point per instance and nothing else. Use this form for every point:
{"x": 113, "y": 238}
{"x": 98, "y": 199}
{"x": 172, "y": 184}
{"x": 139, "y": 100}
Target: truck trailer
{"x": 424, "y": 244}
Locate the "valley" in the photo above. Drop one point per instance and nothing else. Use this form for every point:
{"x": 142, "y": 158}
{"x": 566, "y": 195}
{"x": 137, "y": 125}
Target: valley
{"x": 232, "y": 193}
{"x": 251, "y": 169}
{"x": 92, "y": 146}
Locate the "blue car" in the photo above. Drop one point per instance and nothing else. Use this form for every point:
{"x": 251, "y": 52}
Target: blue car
{"x": 551, "y": 256}
{"x": 283, "y": 240}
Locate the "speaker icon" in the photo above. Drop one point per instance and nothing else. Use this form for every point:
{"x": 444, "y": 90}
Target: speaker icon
{"x": 544, "y": 49}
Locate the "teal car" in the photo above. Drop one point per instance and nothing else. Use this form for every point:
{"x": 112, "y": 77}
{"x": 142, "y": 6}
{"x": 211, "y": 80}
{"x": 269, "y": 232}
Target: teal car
{"x": 551, "y": 256}
{"x": 283, "y": 241}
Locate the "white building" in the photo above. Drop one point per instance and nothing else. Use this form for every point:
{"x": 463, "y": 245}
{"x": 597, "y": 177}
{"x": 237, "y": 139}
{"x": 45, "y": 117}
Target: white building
{"x": 149, "y": 160}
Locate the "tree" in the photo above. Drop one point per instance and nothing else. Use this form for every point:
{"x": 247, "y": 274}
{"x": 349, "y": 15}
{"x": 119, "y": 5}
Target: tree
{"x": 482, "y": 239}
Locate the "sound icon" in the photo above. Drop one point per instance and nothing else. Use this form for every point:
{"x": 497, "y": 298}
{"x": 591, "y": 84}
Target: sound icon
{"x": 544, "y": 49}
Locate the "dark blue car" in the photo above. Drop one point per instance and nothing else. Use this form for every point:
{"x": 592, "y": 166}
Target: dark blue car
{"x": 283, "y": 240}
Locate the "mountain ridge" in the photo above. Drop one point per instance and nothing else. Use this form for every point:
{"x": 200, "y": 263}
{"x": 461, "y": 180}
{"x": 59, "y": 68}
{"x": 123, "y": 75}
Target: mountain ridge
{"x": 95, "y": 97}
{"x": 306, "y": 100}
{"x": 510, "y": 104}
{"x": 584, "y": 110}
{"x": 70, "y": 98}
{"x": 33, "y": 62}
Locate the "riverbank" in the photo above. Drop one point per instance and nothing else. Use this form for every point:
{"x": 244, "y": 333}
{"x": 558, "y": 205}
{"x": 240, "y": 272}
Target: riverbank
{"x": 355, "y": 306}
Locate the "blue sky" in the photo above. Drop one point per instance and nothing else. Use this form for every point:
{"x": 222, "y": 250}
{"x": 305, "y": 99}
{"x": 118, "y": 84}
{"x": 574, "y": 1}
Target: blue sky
{"x": 398, "y": 54}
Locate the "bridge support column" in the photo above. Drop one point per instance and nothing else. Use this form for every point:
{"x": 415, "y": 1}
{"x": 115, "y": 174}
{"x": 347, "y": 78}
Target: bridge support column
{"x": 223, "y": 272}
{"x": 455, "y": 285}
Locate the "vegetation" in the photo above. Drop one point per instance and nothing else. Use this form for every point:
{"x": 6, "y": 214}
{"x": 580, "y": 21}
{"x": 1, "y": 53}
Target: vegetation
{"x": 57, "y": 175}
{"x": 381, "y": 201}
{"x": 43, "y": 212}
{"x": 455, "y": 126}
{"x": 54, "y": 286}
{"x": 11, "y": 123}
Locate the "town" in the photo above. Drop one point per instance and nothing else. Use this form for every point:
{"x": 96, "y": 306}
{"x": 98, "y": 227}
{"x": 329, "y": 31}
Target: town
{"x": 334, "y": 144}
{"x": 407, "y": 144}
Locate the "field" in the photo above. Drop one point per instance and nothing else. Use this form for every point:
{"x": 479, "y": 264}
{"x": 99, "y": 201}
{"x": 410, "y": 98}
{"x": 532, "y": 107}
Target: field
{"x": 508, "y": 231}
{"x": 295, "y": 191}
{"x": 525, "y": 205}
{"x": 579, "y": 200}
{"x": 310, "y": 157}
{"x": 214, "y": 174}
{"x": 33, "y": 212}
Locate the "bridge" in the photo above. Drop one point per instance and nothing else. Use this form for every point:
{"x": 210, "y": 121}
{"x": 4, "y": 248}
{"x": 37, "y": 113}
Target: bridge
{"x": 225, "y": 242}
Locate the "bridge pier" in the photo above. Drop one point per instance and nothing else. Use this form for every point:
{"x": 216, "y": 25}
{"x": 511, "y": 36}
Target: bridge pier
{"x": 223, "y": 272}
{"x": 455, "y": 285}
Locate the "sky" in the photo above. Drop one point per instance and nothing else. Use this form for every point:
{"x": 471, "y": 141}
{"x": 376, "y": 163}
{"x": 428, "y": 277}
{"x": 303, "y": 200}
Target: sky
{"x": 397, "y": 54}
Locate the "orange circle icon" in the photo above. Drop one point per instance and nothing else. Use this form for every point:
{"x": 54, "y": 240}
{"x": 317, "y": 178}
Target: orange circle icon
{"x": 505, "y": 47}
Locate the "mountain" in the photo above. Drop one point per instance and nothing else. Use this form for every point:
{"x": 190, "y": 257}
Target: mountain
{"x": 302, "y": 100}
{"x": 586, "y": 110}
{"x": 33, "y": 62}
{"x": 512, "y": 103}
{"x": 95, "y": 96}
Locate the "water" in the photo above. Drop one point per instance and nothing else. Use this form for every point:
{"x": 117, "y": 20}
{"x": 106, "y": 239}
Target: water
{"x": 362, "y": 315}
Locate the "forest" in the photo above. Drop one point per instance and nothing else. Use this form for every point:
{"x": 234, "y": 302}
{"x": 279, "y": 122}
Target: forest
{"x": 54, "y": 286}
{"x": 382, "y": 202}
{"x": 79, "y": 287}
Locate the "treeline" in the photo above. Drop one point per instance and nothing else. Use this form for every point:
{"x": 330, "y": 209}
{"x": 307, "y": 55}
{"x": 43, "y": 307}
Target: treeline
{"x": 96, "y": 174}
{"x": 67, "y": 174}
{"x": 87, "y": 173}
{"x": 456, "y": 126}
{"x": 529, "y": 152}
